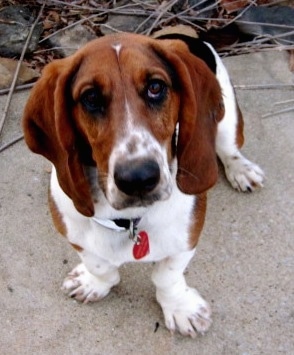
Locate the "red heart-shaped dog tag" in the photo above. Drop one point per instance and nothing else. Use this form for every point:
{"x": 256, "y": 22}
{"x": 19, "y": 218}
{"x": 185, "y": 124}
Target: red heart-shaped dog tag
{"x": 141, "y": 248}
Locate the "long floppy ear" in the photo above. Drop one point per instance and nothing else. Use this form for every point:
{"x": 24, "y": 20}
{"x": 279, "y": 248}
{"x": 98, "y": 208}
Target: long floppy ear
{"x": 201, "y": 108}
{"x": 49, "y": 131}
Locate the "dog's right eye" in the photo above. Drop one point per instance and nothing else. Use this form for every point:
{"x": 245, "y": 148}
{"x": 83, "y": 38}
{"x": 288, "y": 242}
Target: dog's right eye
{"x": 93, "y": 101}
{"x": 156, "y": 91}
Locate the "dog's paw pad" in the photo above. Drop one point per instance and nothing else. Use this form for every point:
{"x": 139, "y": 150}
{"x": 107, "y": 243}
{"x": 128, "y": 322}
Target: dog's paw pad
{"x": 244, "y": 175}
{"x": 85, "y": 287}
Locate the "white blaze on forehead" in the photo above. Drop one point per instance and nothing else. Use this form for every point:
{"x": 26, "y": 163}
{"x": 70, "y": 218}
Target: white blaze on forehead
{"x": 142, "y": 141}
{"x": 129, "y": 116}
{"x": 117, "y": 48}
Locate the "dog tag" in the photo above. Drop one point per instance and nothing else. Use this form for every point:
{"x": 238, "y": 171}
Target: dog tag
{"x": 141, "y": 247}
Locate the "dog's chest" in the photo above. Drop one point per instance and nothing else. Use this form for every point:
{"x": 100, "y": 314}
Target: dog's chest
{"x": 156, "y": 236}
{"x": 162, "y": 230}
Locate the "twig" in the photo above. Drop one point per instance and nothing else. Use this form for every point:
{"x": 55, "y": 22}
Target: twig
{"x": 18, "y": 68}
{"x": 143, "y": 23}
{"x": 55, "y": 49}
{"x": 73, "y": 5}
{"x": 69, "y": 26}
{"x": 188, "y": 19}
{"x": 275, "y": 25}
{"x": 283, "y": 102}
{"x": 9, "y": 144}
{"x": 265, "y": 87}
{"x": 161, "y": 13}
{"x": 17, "y": 88}
{"x": 152, "y": 14}
{"x": 253, "y": 49}
{"x": 115, "y": 30}
{"x": 253, "y": 3}
{"x": 209, "y": 7}
{"x": 278, "y": 112}
{"x": 98, "y": 14}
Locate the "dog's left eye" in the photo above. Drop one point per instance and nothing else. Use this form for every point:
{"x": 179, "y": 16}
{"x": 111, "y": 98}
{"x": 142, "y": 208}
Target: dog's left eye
{"x": 156, "y": 91}
{"x": 93, "y": 101}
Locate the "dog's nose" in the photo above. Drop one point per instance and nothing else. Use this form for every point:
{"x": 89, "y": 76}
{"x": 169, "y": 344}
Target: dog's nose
{"x": 138, "y": 177}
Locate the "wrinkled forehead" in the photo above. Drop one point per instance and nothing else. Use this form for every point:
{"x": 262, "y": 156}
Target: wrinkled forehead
{"x": 118, "y": 57}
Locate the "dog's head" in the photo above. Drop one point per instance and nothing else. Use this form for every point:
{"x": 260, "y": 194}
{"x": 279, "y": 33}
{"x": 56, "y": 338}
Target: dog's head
{"x": 134, "y": 107}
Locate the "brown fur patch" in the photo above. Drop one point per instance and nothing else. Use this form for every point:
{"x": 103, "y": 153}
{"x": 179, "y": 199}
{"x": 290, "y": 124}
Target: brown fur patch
{"x": 56, "y": 215}
{"x": 240, "y": 127}
{"x": 77, "y": 247}
{"x": 198, "y": 219}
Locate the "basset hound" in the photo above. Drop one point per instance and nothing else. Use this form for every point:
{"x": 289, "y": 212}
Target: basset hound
{"x": 133, "y": 127}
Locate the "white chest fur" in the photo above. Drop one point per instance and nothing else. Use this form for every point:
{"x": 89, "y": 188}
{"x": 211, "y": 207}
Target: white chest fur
{"x": 166, "y": 223}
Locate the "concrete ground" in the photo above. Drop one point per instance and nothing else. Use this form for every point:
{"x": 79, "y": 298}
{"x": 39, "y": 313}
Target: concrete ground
{"x": 244, "y": 266}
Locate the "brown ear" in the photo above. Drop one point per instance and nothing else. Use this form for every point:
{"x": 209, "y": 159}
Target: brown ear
{"x": 201, "y": 108}
{"x": 49, "y": 130}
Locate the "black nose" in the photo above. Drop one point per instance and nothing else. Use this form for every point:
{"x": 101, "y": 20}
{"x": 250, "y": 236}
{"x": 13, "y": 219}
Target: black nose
{"x": 138, "y": 177}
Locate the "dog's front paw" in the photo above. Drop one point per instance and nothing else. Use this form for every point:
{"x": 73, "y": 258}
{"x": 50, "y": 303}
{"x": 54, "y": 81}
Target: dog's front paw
{"x": 86, "y": 287}
{"x": 243, "y": 174}
{"x": 187, "y": 314}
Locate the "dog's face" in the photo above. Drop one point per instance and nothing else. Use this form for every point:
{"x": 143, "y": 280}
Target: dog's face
{"x": 125, "y": 105}
{"x": 116, "y": 104}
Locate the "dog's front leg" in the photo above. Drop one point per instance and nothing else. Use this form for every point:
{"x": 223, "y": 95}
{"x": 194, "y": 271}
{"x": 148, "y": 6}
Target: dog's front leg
{"x": 183, "y": 308}
{"x": 91, "y": 280}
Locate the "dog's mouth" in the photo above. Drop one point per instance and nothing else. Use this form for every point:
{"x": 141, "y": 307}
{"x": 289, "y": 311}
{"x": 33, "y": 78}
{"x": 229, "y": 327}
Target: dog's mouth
{"x": 137, "y": 201}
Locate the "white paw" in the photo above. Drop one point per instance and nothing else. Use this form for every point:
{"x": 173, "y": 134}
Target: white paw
{"x": 85, "y": 287}
{"x": 188, "y": 314}
{"x": 243, "y": 174}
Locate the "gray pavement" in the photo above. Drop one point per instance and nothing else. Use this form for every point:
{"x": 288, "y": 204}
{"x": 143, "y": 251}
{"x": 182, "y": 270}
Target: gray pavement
{"x": 244, "y": 266}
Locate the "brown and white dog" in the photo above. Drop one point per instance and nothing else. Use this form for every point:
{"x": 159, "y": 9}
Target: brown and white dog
{"x": 133, "y": 127}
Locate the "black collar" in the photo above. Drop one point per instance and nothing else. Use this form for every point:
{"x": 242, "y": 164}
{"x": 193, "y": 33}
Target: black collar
{"x": 119, "y": 224}
{"x": 123, "y": 223}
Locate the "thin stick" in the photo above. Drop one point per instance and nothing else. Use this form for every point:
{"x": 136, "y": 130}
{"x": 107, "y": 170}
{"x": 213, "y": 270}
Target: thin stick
{"x": 70, "y": 26}
{"x": 278, "y": 112}
{"x": 104, "y": 12}
{"x": 161, "y": 13}
{"x": 17, "y": 88}
{"x": 188, "y": 20}
{"x": 241, "y": 13}
{"x": 265, "y": 87}
{"x": 284, "y": 102}
{"x": 9, "y": 144}
{"x": 18, "y": 68}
